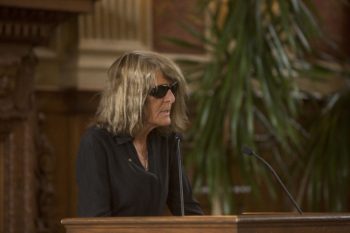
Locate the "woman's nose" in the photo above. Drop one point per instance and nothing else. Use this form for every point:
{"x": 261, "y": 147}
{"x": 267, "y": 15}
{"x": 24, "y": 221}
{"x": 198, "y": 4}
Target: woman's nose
{"x": 169, "y": 96}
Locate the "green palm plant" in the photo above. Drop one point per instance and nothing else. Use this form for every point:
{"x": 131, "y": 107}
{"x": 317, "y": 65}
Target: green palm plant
{"x": 256, "y": 48}
{"x": 326, "y": 178}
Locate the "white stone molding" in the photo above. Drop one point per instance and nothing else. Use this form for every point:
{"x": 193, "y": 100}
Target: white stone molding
{"x": 115, "y": 26}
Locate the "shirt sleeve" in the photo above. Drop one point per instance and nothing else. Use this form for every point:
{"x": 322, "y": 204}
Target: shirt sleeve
{"x": 191, "y": 206}
{"x": 94, "y": 195}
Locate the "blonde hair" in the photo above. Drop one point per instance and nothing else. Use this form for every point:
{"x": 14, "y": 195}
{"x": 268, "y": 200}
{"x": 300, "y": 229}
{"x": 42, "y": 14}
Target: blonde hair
{"x": 130, "y": 79}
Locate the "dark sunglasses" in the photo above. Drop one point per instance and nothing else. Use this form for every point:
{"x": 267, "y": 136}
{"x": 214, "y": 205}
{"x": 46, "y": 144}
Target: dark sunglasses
{"x": 161, "y": 90}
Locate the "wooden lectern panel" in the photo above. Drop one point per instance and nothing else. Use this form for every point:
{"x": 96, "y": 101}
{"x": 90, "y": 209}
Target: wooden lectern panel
{"x": 289, "y": 223}
{"x": 252, "y": 223}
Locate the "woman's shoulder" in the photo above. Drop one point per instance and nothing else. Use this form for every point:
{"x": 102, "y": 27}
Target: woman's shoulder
{"x": 100, "y": 133}
{"x": 96, "y": 132}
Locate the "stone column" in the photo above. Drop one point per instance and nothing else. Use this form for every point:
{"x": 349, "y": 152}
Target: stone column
{"x": 113, "y": 27}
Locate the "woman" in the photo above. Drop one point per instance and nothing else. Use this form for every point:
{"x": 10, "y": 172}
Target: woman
{"x": 127, "y": 163}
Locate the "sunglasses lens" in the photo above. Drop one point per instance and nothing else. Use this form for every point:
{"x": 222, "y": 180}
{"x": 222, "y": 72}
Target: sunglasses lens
{"x": 161, "y": 90}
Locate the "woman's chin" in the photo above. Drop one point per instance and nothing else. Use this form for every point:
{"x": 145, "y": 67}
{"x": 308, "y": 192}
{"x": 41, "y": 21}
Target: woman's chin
{"x": 166, "y": 122}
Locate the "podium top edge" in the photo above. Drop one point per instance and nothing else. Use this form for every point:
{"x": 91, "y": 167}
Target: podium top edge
{"x": 150, "y": 220}
{"x": 217, "y": 219}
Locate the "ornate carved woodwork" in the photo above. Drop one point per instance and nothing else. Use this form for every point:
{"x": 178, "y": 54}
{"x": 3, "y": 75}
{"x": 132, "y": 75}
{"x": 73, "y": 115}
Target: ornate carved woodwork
{"x": 26, "y": 157}
{"x": 45, "y": 178}
{"x": 73, "y": 6}
{"x": 16, "y": 81}
{"x": 17, "y": 127}
{"x": 28, "y": 26}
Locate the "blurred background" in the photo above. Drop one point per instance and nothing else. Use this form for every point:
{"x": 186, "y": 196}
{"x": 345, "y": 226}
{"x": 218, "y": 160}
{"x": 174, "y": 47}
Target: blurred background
{"x": 272, "y": 75}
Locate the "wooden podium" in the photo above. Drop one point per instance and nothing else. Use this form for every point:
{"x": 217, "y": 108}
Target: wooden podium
{"x": 250, "y": 223}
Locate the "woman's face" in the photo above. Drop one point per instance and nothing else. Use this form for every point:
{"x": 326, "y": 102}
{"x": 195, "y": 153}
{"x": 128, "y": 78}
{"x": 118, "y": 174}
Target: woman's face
{"x": 157, "y": 110}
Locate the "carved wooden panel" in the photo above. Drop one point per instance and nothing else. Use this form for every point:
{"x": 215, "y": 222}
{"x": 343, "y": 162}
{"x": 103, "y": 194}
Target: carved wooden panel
{"x": 3, "y": 150}
{"x": 17, "y": 150}
{"x": 28, "y": 26}
{"x": 45, "y": 171}
{"x": 52, "y": 5}
{"x": 67, "y": 115}
{"x": 25, "y": 154}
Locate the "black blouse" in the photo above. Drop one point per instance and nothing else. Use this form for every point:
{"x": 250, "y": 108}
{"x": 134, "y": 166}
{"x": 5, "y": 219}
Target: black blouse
{"x": 112, "y": 181}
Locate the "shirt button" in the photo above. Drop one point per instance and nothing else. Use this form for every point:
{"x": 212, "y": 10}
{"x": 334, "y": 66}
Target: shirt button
{"x": 130, "y": 160}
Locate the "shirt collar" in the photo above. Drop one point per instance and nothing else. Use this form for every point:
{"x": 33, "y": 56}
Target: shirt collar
{"x": 125, "y": 138}
{"x": 121, "y": 139}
